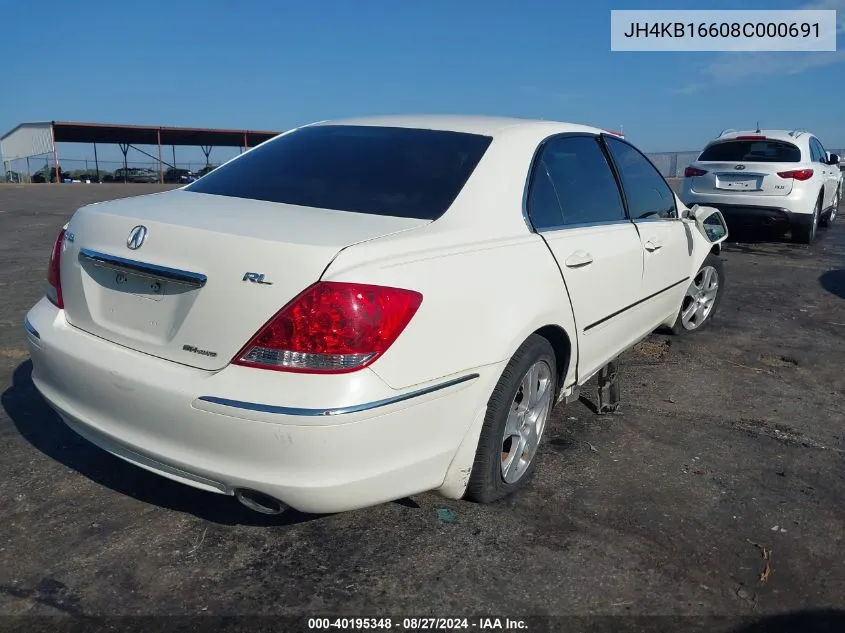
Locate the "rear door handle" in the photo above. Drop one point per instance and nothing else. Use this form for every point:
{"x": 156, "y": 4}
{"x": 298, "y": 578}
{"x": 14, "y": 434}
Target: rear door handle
{"x": 653, "y": 245}
{"x": 578, "y": 259}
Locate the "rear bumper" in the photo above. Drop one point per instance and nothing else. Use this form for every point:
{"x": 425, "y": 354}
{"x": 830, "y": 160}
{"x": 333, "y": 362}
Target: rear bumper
{"x": 755, "y": 209}
{"x": 213, "y": 431}
{"x": 750, "y": 215}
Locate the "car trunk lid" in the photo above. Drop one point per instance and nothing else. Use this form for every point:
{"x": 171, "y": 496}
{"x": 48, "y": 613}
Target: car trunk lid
{"x": 738, "y": 178}
{"x": 210, "y": 271}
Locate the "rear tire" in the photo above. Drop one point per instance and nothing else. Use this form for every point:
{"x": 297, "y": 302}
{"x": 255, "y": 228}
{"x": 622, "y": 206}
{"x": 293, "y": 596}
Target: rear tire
{"x": 807, "y": 234}
{"x": 517, "y": 414}
{"x": 702, "y": 298}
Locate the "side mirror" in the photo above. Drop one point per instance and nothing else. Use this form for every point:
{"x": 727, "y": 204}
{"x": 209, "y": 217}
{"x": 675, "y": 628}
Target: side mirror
{"x": 832, "y": 159}
{"x": 710, "y": 222}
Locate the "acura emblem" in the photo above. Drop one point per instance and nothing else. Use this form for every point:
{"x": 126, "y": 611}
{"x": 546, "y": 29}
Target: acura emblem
{"x": 737, "y": 167}
{"x": 136, "y": 237}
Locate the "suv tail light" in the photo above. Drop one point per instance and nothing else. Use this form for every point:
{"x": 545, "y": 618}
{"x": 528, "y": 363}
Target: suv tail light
{"x": 54, "y": 277}
{"x": 751, "y": 138}
{"x": 798, "y": 174}
{"x": 689, "y": 172}
{"x": 331, "y": 327}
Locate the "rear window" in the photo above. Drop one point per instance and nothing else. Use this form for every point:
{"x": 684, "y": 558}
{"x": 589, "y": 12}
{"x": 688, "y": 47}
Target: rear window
{"x": 752, "y": 151}
{"x": 404, "y": 172}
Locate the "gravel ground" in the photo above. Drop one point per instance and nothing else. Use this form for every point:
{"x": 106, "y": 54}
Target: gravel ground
{"x": 729, "y": 445}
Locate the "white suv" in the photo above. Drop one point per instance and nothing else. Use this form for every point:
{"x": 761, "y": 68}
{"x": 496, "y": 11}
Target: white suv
{"x": 780, "y": 178}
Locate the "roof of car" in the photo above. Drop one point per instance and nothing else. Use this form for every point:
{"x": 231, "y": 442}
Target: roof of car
{"x": 775, "y": 135}
{"x": 486, "y": 125}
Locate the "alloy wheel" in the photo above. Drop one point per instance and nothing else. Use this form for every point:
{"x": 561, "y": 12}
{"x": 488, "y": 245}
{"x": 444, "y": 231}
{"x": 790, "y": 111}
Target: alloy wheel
{"x": 526, "y": 420}
{"x": 700, "y": 298}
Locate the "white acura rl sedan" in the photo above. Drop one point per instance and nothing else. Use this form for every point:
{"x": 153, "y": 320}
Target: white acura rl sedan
{"x": 360, "y": 310}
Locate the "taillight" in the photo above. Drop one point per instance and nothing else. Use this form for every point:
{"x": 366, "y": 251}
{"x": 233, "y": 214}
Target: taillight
{"x": 751, "y": 138}
{"x": 689, "y": 172}
{"x": 331, "y": 327}
{"x": 798, "y": 174}
{"x": 54, "y": 277}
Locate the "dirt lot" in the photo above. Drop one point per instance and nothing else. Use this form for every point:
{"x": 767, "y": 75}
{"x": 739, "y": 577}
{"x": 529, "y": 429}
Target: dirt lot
{"x": 729, "y": 442}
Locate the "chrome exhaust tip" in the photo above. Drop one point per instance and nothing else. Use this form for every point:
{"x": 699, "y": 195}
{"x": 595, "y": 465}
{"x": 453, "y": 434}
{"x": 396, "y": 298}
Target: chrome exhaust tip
{"x": 259, "y": 502}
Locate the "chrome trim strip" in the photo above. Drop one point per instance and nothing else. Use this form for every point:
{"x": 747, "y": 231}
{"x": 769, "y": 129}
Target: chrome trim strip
{"x": 633, "y": 305}
{"x": 28, "y": 326}
{"x": 149, "y": 270}
{"x": 266, "y": 408}
{"x": 582, "y": 225}
{"x": 644, "y": 220}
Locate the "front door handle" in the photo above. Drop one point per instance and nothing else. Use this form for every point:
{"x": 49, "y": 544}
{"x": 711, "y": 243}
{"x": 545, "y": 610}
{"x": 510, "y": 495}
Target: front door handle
{"x": 578, "y": 259}
{"x": 653, "y": 245}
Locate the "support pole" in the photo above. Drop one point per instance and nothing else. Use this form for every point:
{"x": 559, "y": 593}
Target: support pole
{"x": 160, "y": 167}
{"x": 173, "y": 147}
{"x": 124, "y": 147}
{"x": 246, "y": 143}
{"x": 55, "y": 155}
{"x": 96, "y": 162}
{"x": 28, "y": 171}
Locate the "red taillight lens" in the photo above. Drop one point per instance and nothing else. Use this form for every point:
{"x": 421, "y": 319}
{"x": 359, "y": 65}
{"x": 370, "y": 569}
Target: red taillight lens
{"x": 689, "y": 172}
{"x": 798, "y": 174}
{"x": 751, "y": 138}
{"x": 332, "y": 327}
{"x": 54, "y": 277}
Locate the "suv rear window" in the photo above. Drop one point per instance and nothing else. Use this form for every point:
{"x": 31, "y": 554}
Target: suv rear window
{"x": 405, "y": 172}
{"x": 752, "y": 151}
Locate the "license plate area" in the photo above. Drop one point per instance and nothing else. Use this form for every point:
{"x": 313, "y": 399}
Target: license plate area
{"x": 127, "y": 282}
{"x": 737, "y": 182}
{"x": 128, "y": 307}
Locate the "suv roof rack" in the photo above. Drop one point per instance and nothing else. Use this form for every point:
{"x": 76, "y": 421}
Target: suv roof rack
{"x": 797, "y": 133}
{"x": 725, "y": 131}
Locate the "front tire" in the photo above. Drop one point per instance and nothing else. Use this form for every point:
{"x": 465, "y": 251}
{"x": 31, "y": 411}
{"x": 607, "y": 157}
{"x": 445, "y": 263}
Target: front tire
{"x": 702, "y": 298}
{"x": 517, "y": 414}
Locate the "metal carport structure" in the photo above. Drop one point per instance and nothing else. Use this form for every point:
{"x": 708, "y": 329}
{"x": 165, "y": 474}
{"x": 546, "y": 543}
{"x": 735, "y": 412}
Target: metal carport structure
{"x": 39, "y": 138}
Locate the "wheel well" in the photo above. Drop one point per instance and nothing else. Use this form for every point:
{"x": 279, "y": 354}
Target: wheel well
{"x": 562, "y": 347}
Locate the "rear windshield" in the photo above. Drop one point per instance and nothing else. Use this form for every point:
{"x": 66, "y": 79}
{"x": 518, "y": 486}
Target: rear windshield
{"x": 410, "y": 173}
{"x": 752, "y": 151}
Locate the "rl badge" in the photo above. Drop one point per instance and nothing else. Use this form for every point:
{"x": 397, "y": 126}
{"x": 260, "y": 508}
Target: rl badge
{"x": 256, "y": 278}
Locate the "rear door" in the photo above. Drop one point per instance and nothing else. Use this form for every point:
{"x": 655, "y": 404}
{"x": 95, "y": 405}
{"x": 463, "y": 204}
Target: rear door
{"x": 665, "y": 238}
{"x": 575, "y": 205}
{"x": 747, "y": 165}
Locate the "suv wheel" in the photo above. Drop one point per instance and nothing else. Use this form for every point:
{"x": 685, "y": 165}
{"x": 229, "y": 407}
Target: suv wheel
{"x": 807, "y": 234}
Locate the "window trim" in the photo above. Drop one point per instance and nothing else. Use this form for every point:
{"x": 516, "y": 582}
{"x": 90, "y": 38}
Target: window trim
{"x": 604, "y": 138}
{"x": 532, "y": 170}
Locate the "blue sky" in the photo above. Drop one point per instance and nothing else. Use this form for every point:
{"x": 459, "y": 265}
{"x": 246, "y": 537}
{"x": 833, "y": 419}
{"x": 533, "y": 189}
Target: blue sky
{"x": 272, "y": 65}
